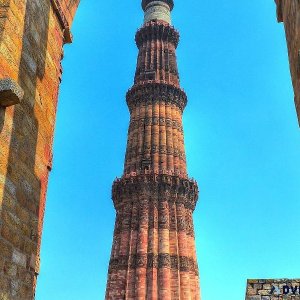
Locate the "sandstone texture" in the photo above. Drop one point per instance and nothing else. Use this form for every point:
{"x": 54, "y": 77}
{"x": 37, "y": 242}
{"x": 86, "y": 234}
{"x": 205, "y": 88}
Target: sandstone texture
{"x": 32, "y": 35}
{"x": 273, "y": 289}
{"x": 288, "y": 12}
{"x": 153, "y": 254}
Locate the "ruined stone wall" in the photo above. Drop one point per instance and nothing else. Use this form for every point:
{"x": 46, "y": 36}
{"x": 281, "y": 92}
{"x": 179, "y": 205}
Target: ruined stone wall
{"x": 32, "y": 35}
{"x": 288, "y": 11}
{"x": 273, "y": 289}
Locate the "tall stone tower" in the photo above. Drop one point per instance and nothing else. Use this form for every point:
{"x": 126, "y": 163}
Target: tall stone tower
{"x": 153, "y": 253}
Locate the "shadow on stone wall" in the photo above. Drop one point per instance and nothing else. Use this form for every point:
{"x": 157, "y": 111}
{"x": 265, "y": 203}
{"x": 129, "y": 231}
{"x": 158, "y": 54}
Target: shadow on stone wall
{"x": 23, "y": 199}
{"x": 2, "y": 115}
{"x": 4, "y": 9}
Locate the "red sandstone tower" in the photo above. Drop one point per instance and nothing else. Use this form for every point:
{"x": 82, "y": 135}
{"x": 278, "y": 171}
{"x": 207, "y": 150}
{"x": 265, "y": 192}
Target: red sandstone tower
{"x": 153, "y": 253}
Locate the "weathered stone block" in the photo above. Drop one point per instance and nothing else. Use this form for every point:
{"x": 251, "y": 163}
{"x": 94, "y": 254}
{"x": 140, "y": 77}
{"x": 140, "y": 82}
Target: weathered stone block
{"x": 19, "y": 258}
{"x": 10, "y": 92}
{"x": 254, "y": 298}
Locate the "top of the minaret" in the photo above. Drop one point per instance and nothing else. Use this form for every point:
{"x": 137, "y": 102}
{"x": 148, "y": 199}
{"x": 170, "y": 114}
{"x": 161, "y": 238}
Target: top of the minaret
{"x": 157, "y": 10}
{"x": 146, "y": 2}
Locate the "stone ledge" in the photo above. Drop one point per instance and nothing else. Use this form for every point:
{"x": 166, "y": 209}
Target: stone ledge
{"x": 68, "y": 38}
{"x": 157, "y": 30}
{"x": 10, "y": 92}
{"x": 279, "y": 10}
{"x": 153, "y": 91}
{"x": 167, "y": 188}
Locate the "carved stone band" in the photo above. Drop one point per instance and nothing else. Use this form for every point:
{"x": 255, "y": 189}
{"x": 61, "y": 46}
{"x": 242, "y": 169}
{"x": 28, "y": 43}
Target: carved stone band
{"x": 153, "y": 92}
{"x": 157, "y": 30}
{"x": 170, "y": 188}
{"x": 157, "y": 261}
{"x": 140, "y": 123}
{"x": 133, "y": 152}
{"x": 182, "y": 226}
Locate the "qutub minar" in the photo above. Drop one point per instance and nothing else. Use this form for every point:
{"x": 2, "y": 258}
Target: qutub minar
{"x": 153, "y": 253}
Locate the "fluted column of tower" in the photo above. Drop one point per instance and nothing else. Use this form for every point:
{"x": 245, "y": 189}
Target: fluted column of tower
{"x": 153, "y": 253}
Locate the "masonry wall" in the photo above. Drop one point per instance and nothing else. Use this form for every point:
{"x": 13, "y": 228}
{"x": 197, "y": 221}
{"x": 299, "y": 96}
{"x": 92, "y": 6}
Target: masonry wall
{"x": 32, "y": 35}
{"x": 273, "y": 289}
{"x": 288, "y": 12}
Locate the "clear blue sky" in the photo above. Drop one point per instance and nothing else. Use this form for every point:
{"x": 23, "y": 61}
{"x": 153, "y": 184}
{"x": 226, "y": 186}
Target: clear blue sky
{"x": 242, "y": 142}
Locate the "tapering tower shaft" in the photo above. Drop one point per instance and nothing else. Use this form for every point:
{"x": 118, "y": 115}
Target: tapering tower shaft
{"x": 153, "y": 254}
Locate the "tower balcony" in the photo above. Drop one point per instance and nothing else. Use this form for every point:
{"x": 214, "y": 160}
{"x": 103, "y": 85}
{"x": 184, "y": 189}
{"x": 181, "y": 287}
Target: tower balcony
{"x": 156, "y": 91}
{"x": 157, "y": 30}
{"x": 166, "y": 187}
